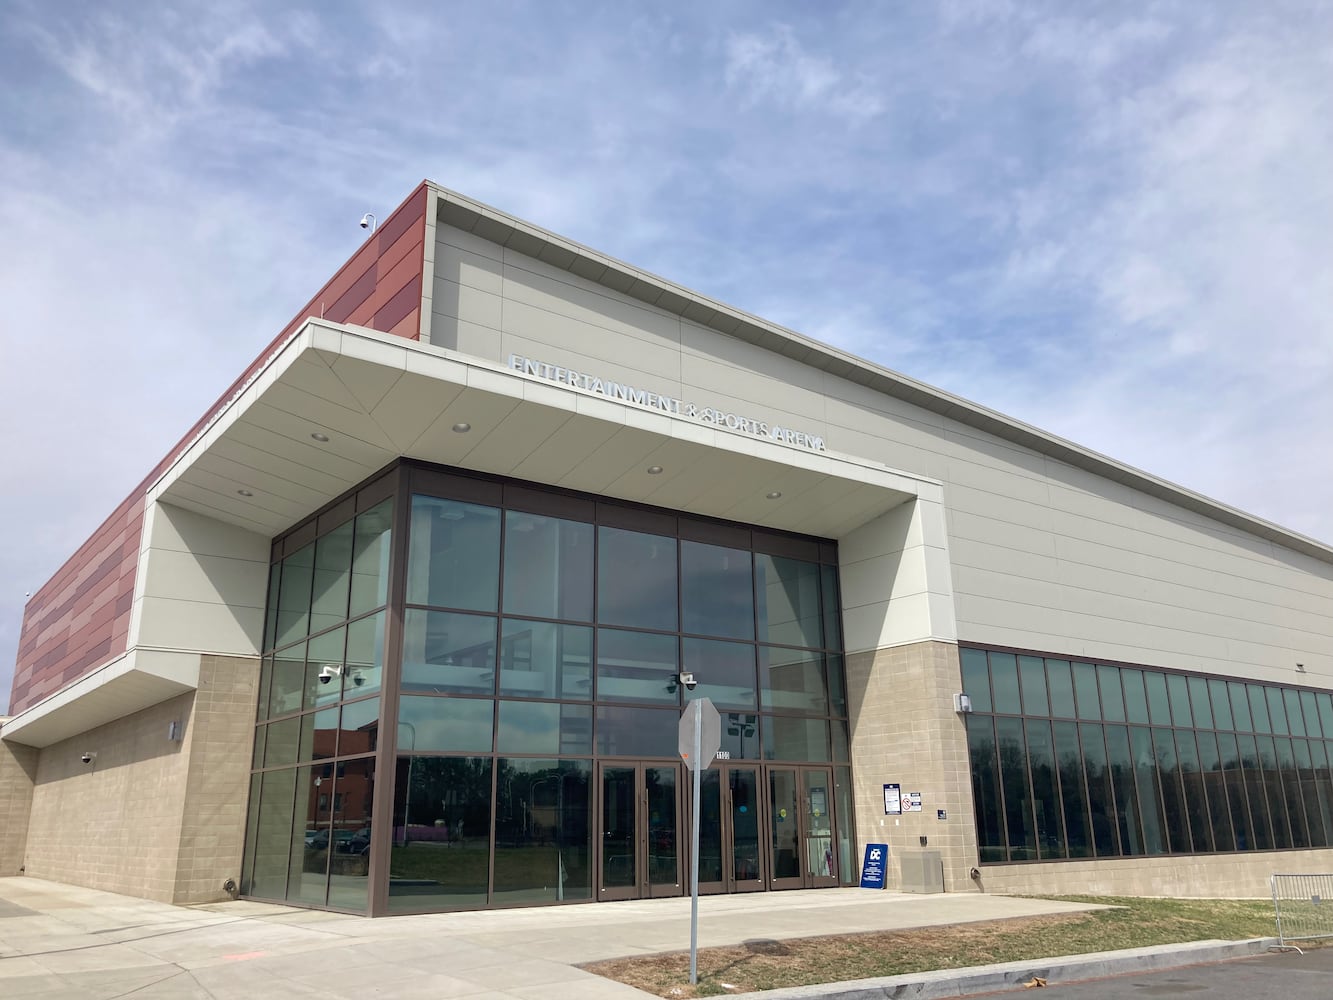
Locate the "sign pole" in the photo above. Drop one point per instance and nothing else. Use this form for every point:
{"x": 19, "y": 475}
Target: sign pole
{"x": 694, "y": 850}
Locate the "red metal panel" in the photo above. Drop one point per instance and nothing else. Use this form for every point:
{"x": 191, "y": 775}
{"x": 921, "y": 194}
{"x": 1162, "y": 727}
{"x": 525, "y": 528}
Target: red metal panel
{"x": 67, "y": 627}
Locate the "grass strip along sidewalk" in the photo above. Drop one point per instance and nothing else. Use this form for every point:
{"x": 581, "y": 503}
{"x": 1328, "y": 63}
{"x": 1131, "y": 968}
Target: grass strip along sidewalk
{"x": 770, "y": 965}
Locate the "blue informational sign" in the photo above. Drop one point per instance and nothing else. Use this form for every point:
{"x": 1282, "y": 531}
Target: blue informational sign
{"x": 872, "y": 869}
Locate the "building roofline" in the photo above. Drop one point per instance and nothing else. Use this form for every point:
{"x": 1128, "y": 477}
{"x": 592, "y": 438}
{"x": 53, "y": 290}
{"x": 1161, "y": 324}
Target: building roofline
{"x": 499, "y": 227}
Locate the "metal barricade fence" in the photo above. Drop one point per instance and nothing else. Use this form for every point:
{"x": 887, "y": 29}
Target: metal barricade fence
{"x": 1303, "y": 907}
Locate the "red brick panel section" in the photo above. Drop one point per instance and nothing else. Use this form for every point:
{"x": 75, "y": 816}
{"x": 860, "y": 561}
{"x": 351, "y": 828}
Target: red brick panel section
{"x": 81, "y": 618}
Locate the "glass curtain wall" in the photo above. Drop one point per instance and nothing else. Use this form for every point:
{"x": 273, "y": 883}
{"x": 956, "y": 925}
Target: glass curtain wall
{"x": 537, "y": 633}
{"x": 543, "y": 632}
{"x": 308, "y": 831}
{"x": 1078, "y": 760}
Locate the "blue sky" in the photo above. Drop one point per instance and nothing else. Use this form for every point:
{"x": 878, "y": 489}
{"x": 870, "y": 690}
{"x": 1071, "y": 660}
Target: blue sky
{"x": 1112, "y": 221}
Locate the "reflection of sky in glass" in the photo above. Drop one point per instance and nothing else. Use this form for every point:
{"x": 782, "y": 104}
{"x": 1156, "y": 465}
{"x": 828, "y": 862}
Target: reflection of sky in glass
{"x": 444, "y": 724}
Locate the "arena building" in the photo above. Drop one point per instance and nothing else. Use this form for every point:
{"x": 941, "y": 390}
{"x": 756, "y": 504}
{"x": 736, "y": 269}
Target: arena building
{"x": 405, "y": 622}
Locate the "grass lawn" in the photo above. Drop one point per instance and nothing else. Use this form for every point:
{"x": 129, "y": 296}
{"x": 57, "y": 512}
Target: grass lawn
{"x": 769, "y": 965}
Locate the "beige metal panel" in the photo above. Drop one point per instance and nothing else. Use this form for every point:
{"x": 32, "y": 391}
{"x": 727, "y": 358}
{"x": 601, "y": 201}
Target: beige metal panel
{"x": 451, "y": 236}
{"x": 572, "y": 443}
{"x": 600, "y": 351}
{"x": 204, "y": 627}
{"x": 706, "y": 377}
{"x": 704, "y": 345}
{"x": 466, "y": 338}
{"x": 468, "y": 267}
{"x": 980, "y": 527}
{"x": 473, "y": 305}
{"x": 552, "y": 290}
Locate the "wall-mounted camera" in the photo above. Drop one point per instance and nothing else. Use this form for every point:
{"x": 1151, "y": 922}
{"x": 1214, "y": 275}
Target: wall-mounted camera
{"x": 688, "y": 681}
{"x": 329, "y": 671}
{"x": 88, "y": 757}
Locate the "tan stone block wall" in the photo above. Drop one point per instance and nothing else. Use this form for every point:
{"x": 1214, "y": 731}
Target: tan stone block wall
{"x": 114, "y": 824}
{"x": 220, "y": 745}
{"x": 904, "y": 731}
{"x": 18, "y": 769}
{"x": 150, "y": 816}
{"x": 1217, "y": 876}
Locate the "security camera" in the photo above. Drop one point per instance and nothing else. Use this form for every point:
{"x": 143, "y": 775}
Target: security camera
{"x": 88, "y": 758}
{"x": 329, "y": 671}
{"x": 688, "y": 681}
{"x": 358, "y": 678}
{"x": 367, "y": 221}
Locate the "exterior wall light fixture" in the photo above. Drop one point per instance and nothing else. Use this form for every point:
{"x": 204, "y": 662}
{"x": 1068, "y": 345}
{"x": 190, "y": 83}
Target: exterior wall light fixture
{"x": 962, "y": 704}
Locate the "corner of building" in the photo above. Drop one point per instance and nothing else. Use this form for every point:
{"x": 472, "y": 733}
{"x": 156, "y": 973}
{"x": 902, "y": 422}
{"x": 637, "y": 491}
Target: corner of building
{"x": 18, "y": 773}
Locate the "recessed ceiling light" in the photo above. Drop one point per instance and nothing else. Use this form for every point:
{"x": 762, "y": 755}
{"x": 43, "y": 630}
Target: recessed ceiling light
{"x": 654, "y": 470}
{"x": 321, "y": 438}
{"x": 774, "y": 495}
{"x": 245, "y": 493}
{"x": 462, "y": 428}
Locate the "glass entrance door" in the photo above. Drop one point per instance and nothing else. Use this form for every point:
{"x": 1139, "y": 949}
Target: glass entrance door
{"x": 730, "y": 840}
{"x": 639, "y": 849}
{"x": 801, "y": 830}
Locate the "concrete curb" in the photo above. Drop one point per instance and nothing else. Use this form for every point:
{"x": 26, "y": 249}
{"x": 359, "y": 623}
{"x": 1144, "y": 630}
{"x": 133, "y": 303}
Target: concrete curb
{"x": 1012, "y": 975}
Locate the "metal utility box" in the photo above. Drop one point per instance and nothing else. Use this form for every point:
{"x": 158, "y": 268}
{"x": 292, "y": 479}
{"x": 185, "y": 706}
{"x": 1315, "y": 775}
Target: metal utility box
{"x": 923, "y": 871}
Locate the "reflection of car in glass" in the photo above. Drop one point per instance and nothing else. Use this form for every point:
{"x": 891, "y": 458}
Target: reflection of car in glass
{"x": 320, "y": 840}
{"x": 358, "y": 843}
{"x": 310, "y": 836}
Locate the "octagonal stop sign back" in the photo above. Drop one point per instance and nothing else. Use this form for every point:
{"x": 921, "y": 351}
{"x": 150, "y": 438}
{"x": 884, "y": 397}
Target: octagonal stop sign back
{"x": 710, "y": 734}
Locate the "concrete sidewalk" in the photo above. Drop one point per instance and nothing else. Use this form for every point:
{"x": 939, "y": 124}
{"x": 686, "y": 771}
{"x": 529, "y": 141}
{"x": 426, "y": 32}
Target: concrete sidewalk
{"x": 59, "y": 941}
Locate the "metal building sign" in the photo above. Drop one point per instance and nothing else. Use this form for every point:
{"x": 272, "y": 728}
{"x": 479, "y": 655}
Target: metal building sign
{"x": 667, "y": 404}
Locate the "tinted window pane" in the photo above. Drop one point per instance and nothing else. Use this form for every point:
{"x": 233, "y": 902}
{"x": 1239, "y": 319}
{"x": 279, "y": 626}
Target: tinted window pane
{"x": 1214, "y": 781}
{"x": 1325, "y": 702}
{"x": 716, "y": 591}
{"x": 1149, "y": 786}
{"x": 795, "y": 739}
{"x": 1203, "y": 712}
{"x": 986, "y": 787}
{"x": 1069, "y": 764}
{"x": 294, "y": 595}
{"x": 1240, "y": 707}
{"x": 324, "y": 668}
{"x": 1178, "y": 689}
{"x": 349, "y": 865}
{"x": 358, "y": 730}
{"x": 543, "y": 831}
{"x": 1085, "y": 688}
{"x": 1136, "y": 701}
{"x": 1196, "y": 798}
{"x": 547, "y": 567}
{"x": 545, "y": 660}
{"x": 1032, "y": 679}
{"x": 333, "y": 578}
{"x": 1168, "y": 769}
{"x": 837, "y": 685}
{"x": 1256, "y": 792}
{"x": 1241, "y": 826}
{"x": 1113, "y": 697}
{"x": 312, "y": 840}
{"x": 637, "y": 732}
{"x": 282, "y": 742}
{"x": 273, "y": 834}
{"x": 1101, "y": 798}
{"x": 1017, "y": 791}
{"x": 370, "y": 558}
{"x": 1159, "y": 705}
{"x": 544, "y": 727}
{"x": 1120, "y": 760}
{"x": 792, "y": 681}
{"x": 1277, "y": 801}
{"x": 788, "y": 601}
{"x": 832, "y": 608}
{"x": 1323, "y": 785}
{"x": 448, "y": 652}
{"x": 1258, "y": 708}
{"x": 636, "y": 579}
{"x": 438, "y": 803}
{"x": 1045, "y": 796}
{"x": 271, "y": 609}
{"x": 1311, "y": 713}
{"x": 365, "y": 655}
{"x": 1291, "y": 793}
{"x": 1291, "y": 701}
{"x": 841, "y": 745}
{"x": 1277, "y": 713}
{"x": 444, "y": 724}
{"x": 1306, "y": 790}
{"x": 1004, "y": 682}
{"x": 1060, "y": 685}
{"x": 637, "y": 666}
{"x": 1221, "y": 704}
{"x": 976, "y": 679}
{"x": 453, "y": 558}
{"x": 286, "y": 692}
{"x": 725, "y": 672}
{"x": 319, "y": 735}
